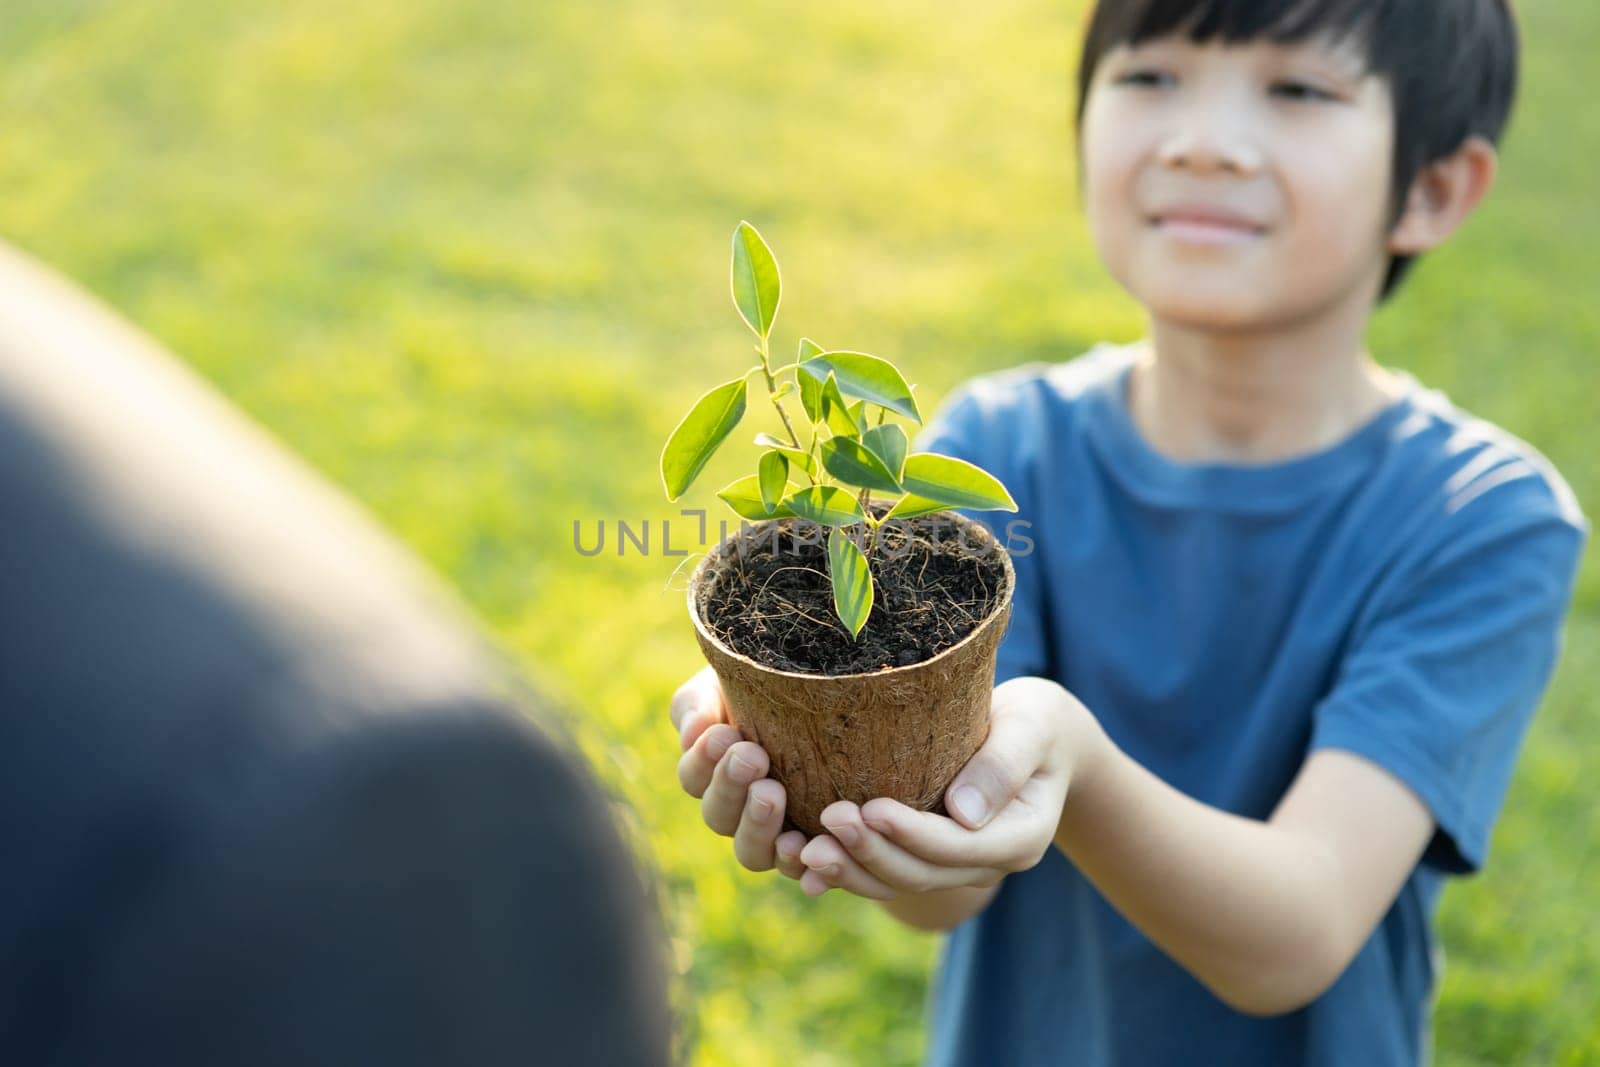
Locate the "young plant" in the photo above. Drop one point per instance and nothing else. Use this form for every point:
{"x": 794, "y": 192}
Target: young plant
{"x": 850, "y": 453}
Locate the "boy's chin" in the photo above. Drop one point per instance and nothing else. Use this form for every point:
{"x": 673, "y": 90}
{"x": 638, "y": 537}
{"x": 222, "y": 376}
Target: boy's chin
{"x": 1217, "y": 310}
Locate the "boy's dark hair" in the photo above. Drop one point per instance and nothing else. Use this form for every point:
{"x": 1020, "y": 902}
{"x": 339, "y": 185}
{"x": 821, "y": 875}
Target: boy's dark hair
{"x": 1451, "y": 65}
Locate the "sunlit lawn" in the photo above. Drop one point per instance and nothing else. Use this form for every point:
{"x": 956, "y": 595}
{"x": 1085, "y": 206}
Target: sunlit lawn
{"x": 469, "y": 258}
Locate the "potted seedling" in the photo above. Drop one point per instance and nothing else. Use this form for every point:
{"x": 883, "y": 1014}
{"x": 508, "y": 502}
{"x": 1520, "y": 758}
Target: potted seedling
{"x": 854, "y": 637}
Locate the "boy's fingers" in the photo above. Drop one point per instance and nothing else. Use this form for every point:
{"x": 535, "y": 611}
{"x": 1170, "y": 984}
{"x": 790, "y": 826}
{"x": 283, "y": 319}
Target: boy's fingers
{"x": 881, "y": 858}
{"x": 694, "y": 724}
{"x": 725, "y": 796}
{"x": 787, "y": 848}
{"x": 755, "y": 840}
{"x": 696, "y": 766}
{"x": 945, "y": 843}
{"x": 831, "y": 867}
{"x": 697, "y": 704}
{"x": 813, "y": 883}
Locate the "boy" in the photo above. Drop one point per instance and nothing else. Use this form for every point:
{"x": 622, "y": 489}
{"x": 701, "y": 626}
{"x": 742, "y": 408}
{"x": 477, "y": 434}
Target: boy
{"x": 1288, "y": 612}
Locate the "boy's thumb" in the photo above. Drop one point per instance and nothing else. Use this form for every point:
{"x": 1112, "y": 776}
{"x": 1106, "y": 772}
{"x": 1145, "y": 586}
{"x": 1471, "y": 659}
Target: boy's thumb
{"x": 998, "y": 771}
{"x": 968, "y": 804}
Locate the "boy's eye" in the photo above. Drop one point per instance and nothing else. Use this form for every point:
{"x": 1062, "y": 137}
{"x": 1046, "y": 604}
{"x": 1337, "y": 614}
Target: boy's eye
{"x": 1299, "y": 91}
{"x": 1147, "y": 78}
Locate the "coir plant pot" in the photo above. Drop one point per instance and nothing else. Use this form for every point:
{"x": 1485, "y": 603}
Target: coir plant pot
{"x": 901, "y": 728}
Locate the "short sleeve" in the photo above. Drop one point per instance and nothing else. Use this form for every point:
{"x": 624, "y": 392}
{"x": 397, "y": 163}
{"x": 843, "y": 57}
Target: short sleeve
{"x": 1442, "y": 679}
{"x": 974, "y": 426}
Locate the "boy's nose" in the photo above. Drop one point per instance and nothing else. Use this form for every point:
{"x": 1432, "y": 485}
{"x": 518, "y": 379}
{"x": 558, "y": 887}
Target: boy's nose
{"x": 1206, "y": 146}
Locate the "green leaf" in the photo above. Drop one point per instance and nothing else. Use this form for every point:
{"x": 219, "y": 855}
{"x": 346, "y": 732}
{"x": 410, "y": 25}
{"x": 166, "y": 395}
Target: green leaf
{"x": 858, "y": 415}
{"x": 852, "y": 581}
{"x": 867, "y": 377}
{"x": 810, "y": 388}
{"x": 783, "y": 390}
{"x": 797, "y": 457}
{"x": 835, "y": 412}
{"x": 955, "y": 483}
{"x": 706, "y": 426}
{"x": 826, "y": 505}
{"x": 888, "y": 443}
{"x": 773, "y": 475}
{"x": 744, "y": 497}
{"x": 756, "y": 286}
{"x": 911, "y": 505}
{"x": 854, "y": 465}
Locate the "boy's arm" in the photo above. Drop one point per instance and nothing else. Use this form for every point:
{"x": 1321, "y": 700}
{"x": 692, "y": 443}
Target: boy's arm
{"x": 1266, "y": 914}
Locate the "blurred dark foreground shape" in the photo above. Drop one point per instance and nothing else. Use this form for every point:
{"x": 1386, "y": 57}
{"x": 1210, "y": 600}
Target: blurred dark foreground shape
{"x": 265, "y": 797}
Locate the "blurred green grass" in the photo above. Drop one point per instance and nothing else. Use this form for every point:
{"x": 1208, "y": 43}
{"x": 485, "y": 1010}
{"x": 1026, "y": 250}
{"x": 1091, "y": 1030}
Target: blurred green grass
{"x": 470, "y": 259}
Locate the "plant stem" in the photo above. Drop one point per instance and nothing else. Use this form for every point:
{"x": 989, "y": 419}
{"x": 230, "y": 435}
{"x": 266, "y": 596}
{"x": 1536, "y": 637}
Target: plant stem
{"x": 872, "y": 524}
{"x": 772, "y": 388}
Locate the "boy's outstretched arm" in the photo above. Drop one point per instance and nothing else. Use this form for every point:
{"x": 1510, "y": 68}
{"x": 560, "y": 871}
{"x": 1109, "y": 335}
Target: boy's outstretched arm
{"x": 1267, "y": 914}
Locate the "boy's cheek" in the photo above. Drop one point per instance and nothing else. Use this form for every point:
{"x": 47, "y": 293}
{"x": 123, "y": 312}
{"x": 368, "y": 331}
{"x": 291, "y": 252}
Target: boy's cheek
{"x": 1108, "y": 251}
{"x": 1110, "y": 205}
{"x": 1113, "y": 138}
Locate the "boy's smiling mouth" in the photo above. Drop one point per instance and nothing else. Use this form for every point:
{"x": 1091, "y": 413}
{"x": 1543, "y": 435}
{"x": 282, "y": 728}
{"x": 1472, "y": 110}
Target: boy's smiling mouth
{"x": 1205, "y": 224}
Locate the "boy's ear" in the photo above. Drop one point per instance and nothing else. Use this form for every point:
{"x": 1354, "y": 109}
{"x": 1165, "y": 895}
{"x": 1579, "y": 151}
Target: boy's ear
{"x": 1443, "y": 195}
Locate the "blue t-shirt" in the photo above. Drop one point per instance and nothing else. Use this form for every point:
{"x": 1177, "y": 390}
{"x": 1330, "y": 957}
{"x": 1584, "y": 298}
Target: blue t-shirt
{"x": 1399, "y": 595}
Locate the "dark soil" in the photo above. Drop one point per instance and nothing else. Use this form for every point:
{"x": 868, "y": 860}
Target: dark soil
{"x": 768, "y": 596}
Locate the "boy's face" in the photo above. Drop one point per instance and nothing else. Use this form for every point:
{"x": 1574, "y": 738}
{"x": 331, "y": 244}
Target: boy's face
{"x": 1290, "y": 145}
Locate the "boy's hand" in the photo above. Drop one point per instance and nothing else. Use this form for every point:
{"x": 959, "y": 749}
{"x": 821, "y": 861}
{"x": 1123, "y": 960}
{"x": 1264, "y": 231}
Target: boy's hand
{"x": 728, "y": 775}
{"x": 1007, "y": 803}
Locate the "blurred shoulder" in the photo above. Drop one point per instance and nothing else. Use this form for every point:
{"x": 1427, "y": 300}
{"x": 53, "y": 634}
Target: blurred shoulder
{"x": 1024, "y": 401}
{"x": 1469, "y": 469}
